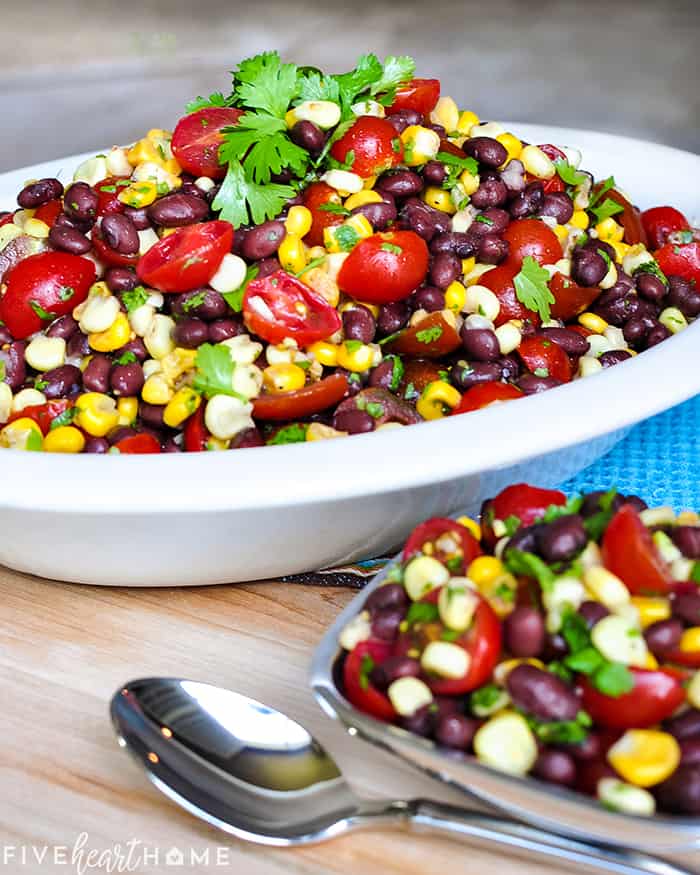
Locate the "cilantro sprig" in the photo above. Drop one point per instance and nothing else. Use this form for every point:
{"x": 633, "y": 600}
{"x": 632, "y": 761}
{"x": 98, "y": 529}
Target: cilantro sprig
{"x": 531, "y": 288}
{"x": 214, "y": 371}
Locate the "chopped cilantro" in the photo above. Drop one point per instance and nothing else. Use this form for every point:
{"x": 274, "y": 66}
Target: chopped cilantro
{"x": 560, "y": 670}
{"x": 695, "y": 572}
{"x": 391, "y": 247}
{"x": 40, "y": 384}
{"x": 554, "y": 511}
{"x": 575, "y": 632}
{"x": 235, "y": 298}
{"x": 449, "y": 635}
{"x": 366, "y": 667}
{"x": 613, "y": 679}
{"x": 410, "y": 392}
{"x": 505, "y": 593}
{"x": 214, "y": 371}
{"x": 531, "y": 288}
{"x": 65, "y": 293}
{"x": 375, "y": 409}
{"x": 485, "y": 697}
{"x": 653, "y": 268}
{"x": 44, "y": 315}
{"x": 64, "y": 418}
{"x": 610, "y": 678}
{"x": 604, "y": 188}
{"x": 568, "y": 173}
{"x": 485, "y": 220}
{"x": 541, "y": 372}
{"x": 134, "y": 298}
{"x": 455, "y": 564}
{"x": 561, "y": 732}
{"x": 684, "y": 236}
{"x": 214, "y": 99}
{"x": 389, "y": 338}
{"x": 315, "y": 262}
{"x": 422, "y": 612}
{"x": 469, "y": 164}
{"x": 353, "y": 345}
{"x": 512, "y": 524}
{"x": 586, "y": 661}
{"x": 428, "y": 335}
{"x": 195, "y": 301}
{"x": 596, "y": 524}
{"x": 530, "y": 565}
{"x": 34, "y": 442}
{"x": 241, "y": 200}
{"x": 606, "y": 209}
{"x": 397, "y": 371}
{"x": 290, "y": 434}
{"x": 336, "y": 209}
{"x": 346, "y": 237}
{"x": 126, "y": 358}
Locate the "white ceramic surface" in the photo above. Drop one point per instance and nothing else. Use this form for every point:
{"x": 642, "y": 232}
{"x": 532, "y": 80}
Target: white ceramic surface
{"x": 225, "y": 517}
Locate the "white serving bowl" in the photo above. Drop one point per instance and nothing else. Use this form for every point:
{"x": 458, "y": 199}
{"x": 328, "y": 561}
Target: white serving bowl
{"x": 200, "y": 518}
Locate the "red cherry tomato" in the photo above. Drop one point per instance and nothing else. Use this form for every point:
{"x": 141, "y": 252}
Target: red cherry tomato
{"x": 302, "y": 403}
{"x": 690, "y": 659}
{"x": 425, "y": 340}
{"x": 197, "y": 137}
{"x": 443, "y": 548}
{"x": 110, "y": 256}
{"x": 196, "y": 433}
{"x": 659, "y": 222}
{"x": 527, "y": 503}
{"x": 501, "y": 281}
{"x": 6, "y": 218}
{"x": 108, "y": 195}
{"x": 48, "y": 212}
{"x": 629, "y": 218}
{"x": 51, "y": 283}
{"x": 369, "y": 147}
{"x": 556, "y": 183}
{"x": 680, "y": 260}
{"x": 630, "y": 553}
{"x": 187, "y": 259}
{"x": 420, "y": 95}
{"x": 385, "y": 267}
{"x": 541, "y": 355}
{"x": 356, "y": 684}
{"x": 570, "y": 299}
{"x": 485, "y": 394}
{"x": 280, "y": 305}
{"x": 43, "y": 414}
{"x": 317, "y": 196}
{"x": 531, "y": 237}
{"x": 138, "y": 443}
{"x": 655, "y": 696}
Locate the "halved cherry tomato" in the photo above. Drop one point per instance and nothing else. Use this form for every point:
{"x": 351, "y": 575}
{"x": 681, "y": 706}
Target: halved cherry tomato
{"x": 420, "y": 95}
{"x": 541, "y": 355}
{"x": 280, "y": 305}
{"x": 655, "y": 696}
{"x": 138, "y": 443}
{"x": 629, "y": 218}
{"x": 659, "y": 222}
{"x": 690, "y": 659}
{"x": 196, "y": 432}
{"x": 304, "y": 402}
{"x": 317, "y": 196}
{"x": 197, "y": 137}
{"x": 484, "y": 394}
{"x": 385, "y": 267}
{"x": 501, "y": 281}
{"x": 527, "y": 503}
{"x": 48, "y": 212}
{"x": 44, "y": 286}
{"x": 108, "y": 195}
{"x": 187, "y": 259}
{"x": 570, "y": 299}
{"x": 531, "y": 237}
{"x": 418, "y": 373}
{"x": 630, "y": 553}
{"x": 43, "y": 414}
{"x": 556, "y": 183}
{"x": 432, "y": 531}
{"x": 356, "y": 684}
{"x": 371, "y": 146}
{"x": 680, "y": 260}
{"x": 110, "y": 256}
{"x": 432, "y": 337}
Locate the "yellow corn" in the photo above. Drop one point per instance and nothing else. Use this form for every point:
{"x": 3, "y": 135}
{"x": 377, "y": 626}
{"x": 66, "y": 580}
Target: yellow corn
{"x": 114, "y": 337}
{"x": 316, "y": 252}
{"x": 609, "y": 231}
{"x": 284, "y": 378}
{"x": 156, "y": 390}
{"x": 324, "y": 352}
{"x": 439, "y": 199}
{"x": 181, "y": 406}
{"x": 36, "y": 228}
{"x": 144, "y": 150}
{"x": 455, "y": 296}
{"x": 343, "y": 238}
{"x": 512, "y": 144}
{"x": 138, "y": 194}
{"x": 650, "y": 662}
{"x": 592, "y": 322}
{"x": 419, "y": 145}
{"x": 466, "y": 121}
{"x": 360, "y": 224}
{"x": 97, "y": 413}
{"x": 469, "y": 181}
{"x": 127, "y": 408}
{"x": 621, "y": 249}
{"x": 321, "y": 282}
{"x": 561, "y": 232}
{"x": 484, "y": 570}
{"x": 292, "y": 254}
{"x": 65, "y": 439}
{"x": 651, "y": 610}
{"x": 469, "y": 523}
{"x": 579, "y": 219}
{"x": 177, "y": 362}
{"x": 355, "y": 356}
{"x": 298, "y": 221}
{"x": 645, "y": 757}
{"x": 690, "y": 641}
{"x": 468, "y": 265}
{"x": 317, "y": 431}
{"x": 446, "y": 113}
{"x": 369, "y": 182}
{"x": 362, "y": 198}
{"x": 437, "y": 399}
{"x": 22, "y": 434}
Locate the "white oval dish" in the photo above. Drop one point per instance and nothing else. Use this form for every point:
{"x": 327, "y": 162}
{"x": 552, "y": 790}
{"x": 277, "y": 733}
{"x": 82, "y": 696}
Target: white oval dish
{"x": 200, "y": 518}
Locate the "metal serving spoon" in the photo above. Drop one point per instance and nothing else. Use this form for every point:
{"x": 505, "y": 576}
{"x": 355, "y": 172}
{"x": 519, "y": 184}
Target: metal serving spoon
{"x": 254, "y": 773}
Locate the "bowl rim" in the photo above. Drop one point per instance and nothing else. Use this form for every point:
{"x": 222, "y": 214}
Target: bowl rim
{"x": 557, "y": 809}
{"x": 383, "y": 462}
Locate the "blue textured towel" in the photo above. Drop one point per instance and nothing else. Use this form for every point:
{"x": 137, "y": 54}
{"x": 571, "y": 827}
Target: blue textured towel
{"x": 659, "y": 461}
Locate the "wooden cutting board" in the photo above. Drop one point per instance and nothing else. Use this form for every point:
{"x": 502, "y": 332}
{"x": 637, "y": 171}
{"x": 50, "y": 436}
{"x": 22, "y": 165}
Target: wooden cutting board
{"x": 64, "y": 649}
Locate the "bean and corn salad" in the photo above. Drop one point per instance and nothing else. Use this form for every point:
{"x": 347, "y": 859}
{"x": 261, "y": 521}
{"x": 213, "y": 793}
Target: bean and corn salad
{"x": 557, "y": 638}
{"x": 319, "y": 255}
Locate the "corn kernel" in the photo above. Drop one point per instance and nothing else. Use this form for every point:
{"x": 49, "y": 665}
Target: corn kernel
{"x": 114, "y": 337}
{"x": 230, "y": 274}
{"x": 688, "y": 518}
{"x": 355, "y": 356}
{"x": 324, "y": 114}
{"x": 408, "y": 695}
{"x": 317, "y": 431}
{"x": 690, "y": 641}
{"x": 484, "y": 569}
{"x": 457, "y": 604}
{"x": 64, "y": 439}
{"x": 292, "y": 254}
{"x": 470, "y": 182}
{"x": 322, "y": 283}
{"x": 446, "y": 660}
{"x": 156, "y": 390}
{"x": 143, "y": 150}
{"x": 423, "y": 574}
{"x": 651, "y": 609}
{"x": 482, "y": 302}
{"x": 419, "y": 144}
{"x": 439, "y": 199}
{"x": 176, "y": 363}
{"x": 589, "y": 365}
{"x": 579, "y": 219}
{"x": 9, "y": 232}
{"x": 92, "y": 171}
{"x": 608, "y": 230}
{"x": 455, "y": 296}
{"x": 512, "y": 145}
{"x": 181, "y": 406}
{"x": 446, "y": 113}
{"x": 26, "y": 398}
{"x": 127, "y": 408}
{"x": 356, "y": 631}
{"x": 138, "y": 194}
{"x": 606, "y": 587}
{"x": 471, "y": 525}
{"x": 468, "y": 265}
{"x": 626, "y": 798}
{"x": 159, "y": 337}
{"x": 593, "y": 322}
{"x": 673, "y": 319}
{"x": 437, "y": 400}
{"x": 284, "y": 378}
{"x": 620, "y": 641}
{"x": 5, "y": 402}
{"x": 645, "y": 757}
{"x": 537, "y": 163}
{"x": 693, "y": 690}
{"x": 225, "y": 416}
{"x": 466, "y": 121}
{"x": 325, "y": 353}
{"x": 369, "y": 182}
{"x": 45, "y": 353}
{"x": 298, "y": 221}
{"x": 621, "y": 249}
{"x": 506, "y": 742}
{"x": 343, "y": 181}
{"x": 560, "y": 232}
{"x": 97, "y": 413}
{"x": 22, "y": 434}
{"x": 36, "y": 228}
{"x": 361, "y": 199}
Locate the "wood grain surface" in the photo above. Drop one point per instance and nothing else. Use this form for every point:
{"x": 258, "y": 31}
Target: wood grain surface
{"x": 64, "y": 649}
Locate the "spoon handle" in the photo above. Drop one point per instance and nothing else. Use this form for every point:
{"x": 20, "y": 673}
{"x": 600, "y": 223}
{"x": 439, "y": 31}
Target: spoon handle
{"x": 490, "y": 829}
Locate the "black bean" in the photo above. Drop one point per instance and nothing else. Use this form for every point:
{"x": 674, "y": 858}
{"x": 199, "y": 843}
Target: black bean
{"x": 249, "y": 437}
{"x": 423, "y": 219}
{"x": 379, "y": 215}
{"x": 635, "y": 332}
{"x": 480, "y": 344}
{"x": 657, "y": 334}
{"x": 532, "y": 385}
{"x": 96, "y": 445}
{"x": 268, "y": 266}
{"x": 524, "y": 631}
{"x": 637, "y": 503}
{"x": 63, "y": 221}
{"x": 571, "y": 342}
{"x": 404, "y": 118}
{"x": 127, "y": 379}
{"x": 392, "y": 669}
{"x": 64, "y": 381}
{"x": 588, "y": 749}
{"x": 263, "y": 240}
{"x": 171, "y": 446}
{"x": 5, "y": 336}
{"x": 614, "y": 357}
{"x": 686, "y": 606}
{"x": 684, "y": 296}
{"x": 78, "y": 345}
{"x": 211, "y": 306}
{"x": 555, "y": 767}
{"x": 191, "y": 332}
{"x": 136, "y": 346}
{"x": 664, "y": 636}
{"x": 69, "y": 240}
{"x": 222, "y": 329}
{"x": 444, "y": 269}
{"x": 384, "y": 375}
{"x": 96, "y": 374}
{"x": 687, "y": 539}
{"x": 562, "y": 539}
{"x": 455, "y": 731}
{"x": 434, "y": 172}
{"x": 558, "y": 205}
{"x": 188, "y": 187}
{"x": 541, "y": 693}
{"x": 390, "y": 595}
{"x": 120, "y": 433}
{"x": 491, "y": 221}
{"x": 359, "y": 324}
{"x": 15, "y": 367}
{"x": 152, "y": 414}
{"x": 527, "y": 202}
{"x": 120, "y": 279}
{"x": 139, "y": 216}
{"x": 429, "y": 298}
{"x": 64, "y": 326}
{"x": 587, "y": 268}
{"x": 510, "y": 367}
{"x": 617, "y": 312}
{"x": 681, "y": 792}
{"x": 393, "y": 317}
{"x": 486, "y": 150}
{"x": 592, "y": 612}
{"x": 690, "y": 752}
{"x": 80, "y": 201}
{"x": 591, "y": 502}
{"x": 353, "y": 421}
{"x": 385, "y": 624}
{"x": 457, "y": 242}
{"x": 120, "y": 234}
{"x": 38, "y": 193}
{"x": 490, "y": 193}
{"x": 176, "y": 210}
{"x": 650, "y": 287}
{"x": 421, "y": 723}
{"x": 465, "y": 375}
{"x": 492, "y": 249}
{"x": 307, "y": 135}
{"x": 685, "y": 725}
{"x": 402, "y": 183}
{"x": 525, "y": 539}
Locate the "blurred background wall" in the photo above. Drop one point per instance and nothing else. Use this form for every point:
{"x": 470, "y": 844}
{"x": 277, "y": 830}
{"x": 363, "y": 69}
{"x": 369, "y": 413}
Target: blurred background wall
{"x": 83, "y": 74}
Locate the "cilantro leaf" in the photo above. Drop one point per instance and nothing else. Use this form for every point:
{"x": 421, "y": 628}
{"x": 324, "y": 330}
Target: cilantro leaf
{"x": 603, "y": 188}
{"x": 336, "y": 209}
{"x": 653, "y": 268}
{"x": 240, "y": 199}
{"x": 134, "y": 298}
{"x": 485, "y": 696}
{"x": 422, "y": 612}
{"x": 315, "y": 262}
{"x": 428, "y": 335}
{"x": 313, "y": 85}
{"x": 34, "y": 442}
{"x": 216, "y": 98}
{"x": 397, "y": 71}
{"x": 44, "y": 315}
{"x": 290, "y": 434}
{"x": 195, "y": 301}
{"x": 469, "y": 164}
{"x": 126, "y": 358}
{"x": 512, "y": 524}
{"x": 531, "y": 288}
{"x": 264, "y": 82}
{"x": 568, "y": 173}
{"x": 586, "y": 661}
{"x": 64, "y": 418}
{"x": 235, "y": 298}
{"x": 554, "y": 511}
{"x": 575, "y": 632}
{"x": 561, "y": 732}
{"x": 695, "y": 572}
{"x": 530, "y": 565}
{"x": 214, "y": 374}
{"x": 346, "y": 237}
{"x": 263, "y": 142}
{"x": 613, "y": 679}
{"x": 608, "y": 208}
{"x": 368, "y": 72}
{"x": 596, "y": 524}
